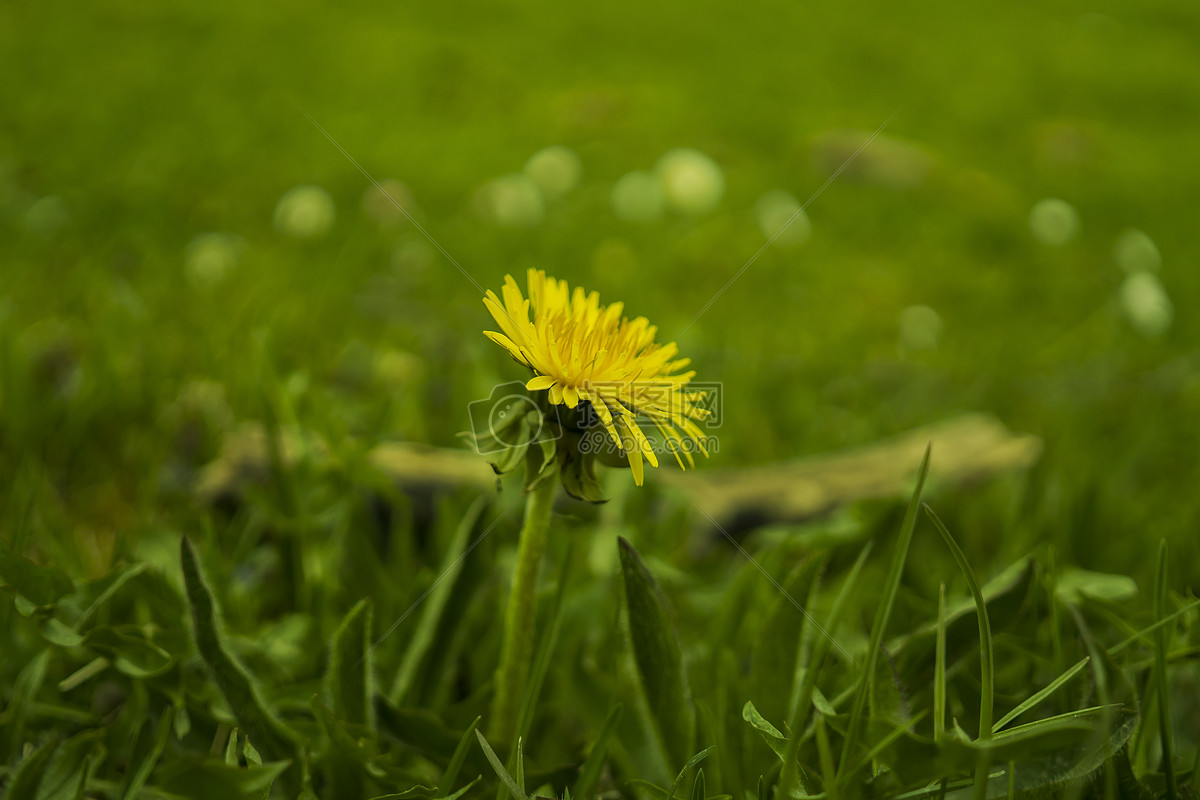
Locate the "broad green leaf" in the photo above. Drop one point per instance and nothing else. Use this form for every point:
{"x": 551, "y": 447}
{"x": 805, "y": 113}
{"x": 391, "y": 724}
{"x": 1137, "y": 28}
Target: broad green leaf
{"x": 769, "y": 733}
{"x": 348, "y": 680}
{"x": 41, "y": 585}
{"x": 58, "y": 633}
{"x": 239, "y": 689}
{"x": 1074, "y": 584}
{"x": 658, "y": 658}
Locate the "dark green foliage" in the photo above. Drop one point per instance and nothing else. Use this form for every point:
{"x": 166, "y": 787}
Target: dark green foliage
{"x": 660, "y": 667}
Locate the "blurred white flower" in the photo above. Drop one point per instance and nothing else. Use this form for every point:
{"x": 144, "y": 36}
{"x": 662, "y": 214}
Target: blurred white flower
{"x": 638, "y": 197}
{"x": 555, "y": 170}
{"x": 774, "y": 211}
{"x": 305, "y": 212}
{"x": 920, "y": 327}
{"x": 512, "y": 200}
{"x": 1136, "y": 252}
{"x": 47, "y": 215}
{"x": 209, "y": 257}
{"x": 1053, "y": 221}
{"x": 692, "y": 183}
{"x": 1146, "y": 305}
{"x": 379, "y": 202}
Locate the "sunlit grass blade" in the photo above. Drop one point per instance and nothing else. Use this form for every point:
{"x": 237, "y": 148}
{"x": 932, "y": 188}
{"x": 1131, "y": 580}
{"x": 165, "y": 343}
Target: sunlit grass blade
{"x": 986, "y": 656}
{"x": 515, "y": 789}
{"x": 1162, "y": 641}
{"x": 1041, "y": 695}
{"x": 887, "y": 600}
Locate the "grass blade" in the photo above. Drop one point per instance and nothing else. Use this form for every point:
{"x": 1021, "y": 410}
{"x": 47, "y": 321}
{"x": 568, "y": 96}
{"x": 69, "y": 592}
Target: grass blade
{"x": 1041, "y": 695}
{"x": 1161, "y": 644}
{"x": 514, "y": 789}
{"x": 589, "y": 774}
{"x": 939, "y": 670}
{"x": 434, "y": 604}
{"x": 348, "y": 679}
{"x": 882, "y": 615}
{"x": 454, "y": 766}
{"x": 986, "y": 653}
{"x": 804, "y": 696}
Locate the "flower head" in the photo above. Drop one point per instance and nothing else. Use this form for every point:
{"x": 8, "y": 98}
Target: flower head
{"x": 586, "y": 355}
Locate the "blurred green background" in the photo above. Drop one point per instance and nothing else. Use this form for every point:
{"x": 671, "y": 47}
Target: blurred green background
{"x": 156, "y": 290}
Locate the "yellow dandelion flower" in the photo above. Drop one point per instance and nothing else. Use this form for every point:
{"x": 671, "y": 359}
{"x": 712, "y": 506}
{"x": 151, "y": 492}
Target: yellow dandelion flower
{"x": 583, "y": 352}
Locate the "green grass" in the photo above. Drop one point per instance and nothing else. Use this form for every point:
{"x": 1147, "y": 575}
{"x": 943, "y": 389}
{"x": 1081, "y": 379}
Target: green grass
{"x": 345, "y": 633}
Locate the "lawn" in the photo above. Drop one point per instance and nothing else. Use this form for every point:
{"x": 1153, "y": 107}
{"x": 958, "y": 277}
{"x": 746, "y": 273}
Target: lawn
{"x": 245, "y": 551}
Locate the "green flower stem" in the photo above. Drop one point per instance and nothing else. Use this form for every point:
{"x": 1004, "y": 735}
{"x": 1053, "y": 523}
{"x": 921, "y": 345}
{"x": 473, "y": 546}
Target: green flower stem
{"x": 520, "y": 617}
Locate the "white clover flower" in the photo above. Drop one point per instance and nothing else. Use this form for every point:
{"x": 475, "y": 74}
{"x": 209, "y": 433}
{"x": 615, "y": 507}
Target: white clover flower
{"x": 1053, "y": 221}
{"x": 692, "y": 182}
{"x": 638, "y": 197}
{"x": 920, "y": 328}
{"x": 780, "y": 213}
{"x": 305, "y": 212}
{"x": 513, "y": 201}
{"x": 1146, "y": 305}
{"x": 555, "y": 170}
{"x": 1136, "y": 252}
{"x": 209, "y": 257}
